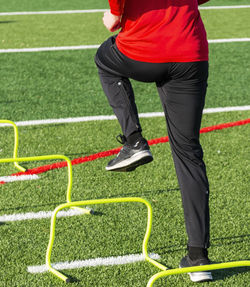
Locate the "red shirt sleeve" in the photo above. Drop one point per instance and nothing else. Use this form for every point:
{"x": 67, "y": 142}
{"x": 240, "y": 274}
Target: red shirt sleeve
{"x": 116, "y": 7}
{"x": 202, "y": 1}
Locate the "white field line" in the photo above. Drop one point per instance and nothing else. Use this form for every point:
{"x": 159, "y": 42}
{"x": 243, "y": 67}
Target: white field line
{"x": 233, "y": 40}
{"x": 119, "y": 260}
{"x": 38, "y": 215}
{"x": 96, "y": 46}
{"x": 112, "y": 117}
{"x": 13, "y": 178}
{"x": 53, "y": 12}
{"x": 103, "y": 10}
{"x": 224, "y": 7}
{"x": 47, "y": 49}
{"x": 47, "y": 214}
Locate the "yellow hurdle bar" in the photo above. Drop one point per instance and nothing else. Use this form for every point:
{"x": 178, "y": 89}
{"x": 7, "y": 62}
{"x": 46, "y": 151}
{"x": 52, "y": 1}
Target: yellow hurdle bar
{"x": 159, "y": 275}
{"x": 50, "y": 157}
{"x": 197, "y": 269}
{"x": 99, "y": 201}
{"x": 16, "y": 143}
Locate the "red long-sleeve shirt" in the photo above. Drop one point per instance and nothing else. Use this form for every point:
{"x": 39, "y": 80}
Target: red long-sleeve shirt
{"x": 161, "y": 31}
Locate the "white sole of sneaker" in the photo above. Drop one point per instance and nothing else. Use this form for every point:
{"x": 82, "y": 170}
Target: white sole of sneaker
{"x": 200, "y": 276}
{"x": 131, "y": 163}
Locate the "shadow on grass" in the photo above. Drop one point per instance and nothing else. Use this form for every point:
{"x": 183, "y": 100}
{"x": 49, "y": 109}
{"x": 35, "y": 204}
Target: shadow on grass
{"x": 233, "y": 240}
{"x": 222, "y": 274}
{"x": 219, "y": 274}
{"x": 96, "y": 213}
{"x": 7, "y": 22}
{"x": 4, "y": 102}
{"x": 71, "y": 278}
{"x": 181, "y": 246}
{"x": 147, "y": 193}
{"x": 53, "y": 204}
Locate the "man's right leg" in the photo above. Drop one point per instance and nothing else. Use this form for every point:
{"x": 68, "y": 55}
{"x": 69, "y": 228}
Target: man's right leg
{"x": 120, "y": 95}
{"x": 119, "y": 92}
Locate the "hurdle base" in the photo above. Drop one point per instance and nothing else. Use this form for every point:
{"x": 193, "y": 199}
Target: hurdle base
{"x": 19, "y": 167}
{"x": 83, "y": 210}
{"x": 200, "y": 268}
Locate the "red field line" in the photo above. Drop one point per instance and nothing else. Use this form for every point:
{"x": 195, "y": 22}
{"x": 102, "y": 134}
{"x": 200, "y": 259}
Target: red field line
{"x": 107, "y": 153}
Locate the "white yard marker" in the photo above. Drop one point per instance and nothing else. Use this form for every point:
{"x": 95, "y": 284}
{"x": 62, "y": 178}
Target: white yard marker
{"x": 226, "y": 109}
{"x": 103, "y": 10}
{"x": 96, "y": 46}
{"x": 233, "y": 40}
{"x": 224, "y": 7}
{"x": 112, "y": 117}
{"x": 53, "y": 12}
{"x": 13, "y": 178}
{"x": 37, "y": 215}
{"x": 119, "y": 260}
{"x": 48, "y": 49}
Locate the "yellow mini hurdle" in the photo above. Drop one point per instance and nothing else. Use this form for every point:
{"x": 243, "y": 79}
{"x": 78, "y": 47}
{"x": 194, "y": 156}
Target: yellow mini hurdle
{"x": 50, "y": 157}
{"x": 16, "y": 142}
{"x": 197, "y": 269}
{"x": 159, "y": 275}
{"x": 100, "y": 201}
{"x": 78, "y": 204}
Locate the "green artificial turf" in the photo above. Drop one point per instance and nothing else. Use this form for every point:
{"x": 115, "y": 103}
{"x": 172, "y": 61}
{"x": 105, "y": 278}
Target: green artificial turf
{"x": 47, "y": 5}
{"x": 102, "y": 235}
{"x": 26, "y": 31}
{"x": 231, "y": 23}
{"x": 50, "y": 5}
{"x": 52, "y": 30}
{"x": 226, "y": 2}
{"x": 65, "y": 84}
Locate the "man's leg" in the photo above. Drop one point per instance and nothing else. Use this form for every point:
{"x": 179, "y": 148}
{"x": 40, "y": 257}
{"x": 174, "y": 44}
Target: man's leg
{"x": 113, "y": 75}
{"x": 183, "y": 100}
{"x": 117, "y": 88}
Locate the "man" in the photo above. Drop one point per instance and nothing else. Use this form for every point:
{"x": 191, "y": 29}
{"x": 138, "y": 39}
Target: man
{"x": 162, "y": 41}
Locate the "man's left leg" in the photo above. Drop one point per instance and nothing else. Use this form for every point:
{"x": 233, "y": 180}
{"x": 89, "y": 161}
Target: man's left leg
{"x": 183, "y": 100}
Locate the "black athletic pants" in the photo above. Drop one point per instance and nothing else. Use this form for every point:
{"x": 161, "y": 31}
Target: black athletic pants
{"x": 182, "y": 89}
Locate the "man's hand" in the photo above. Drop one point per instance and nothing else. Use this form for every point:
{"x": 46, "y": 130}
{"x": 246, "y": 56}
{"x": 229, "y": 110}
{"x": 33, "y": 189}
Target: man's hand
{"x": 111, "y": 22}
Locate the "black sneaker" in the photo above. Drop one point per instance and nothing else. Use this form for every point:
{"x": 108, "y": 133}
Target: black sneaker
{"x": 197, "y": 276}
{"x": 130, "y": 156}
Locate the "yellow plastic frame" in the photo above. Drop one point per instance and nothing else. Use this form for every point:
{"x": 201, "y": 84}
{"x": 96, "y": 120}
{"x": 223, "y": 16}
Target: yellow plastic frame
{"x": 50, "y": 157}
{"x": 76, "y": 205}
{"x": 155, "y": 277}
{"x": 99, "y": 201}
{"x": 197, "y": 269}
{"x": 16, "y": 143}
